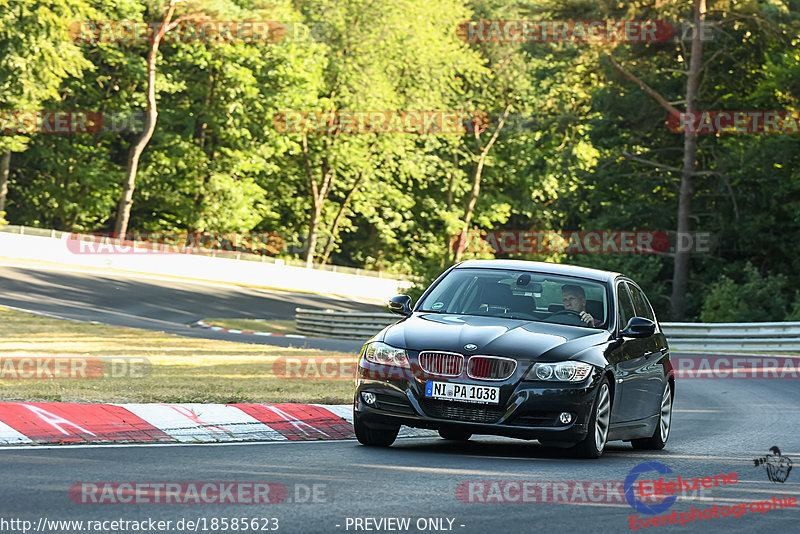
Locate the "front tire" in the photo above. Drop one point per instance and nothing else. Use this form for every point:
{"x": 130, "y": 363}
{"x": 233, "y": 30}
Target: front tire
{"x": 374, "y": 437}
{"x": 596, "y": 438}
{"x": 658, "y": 440}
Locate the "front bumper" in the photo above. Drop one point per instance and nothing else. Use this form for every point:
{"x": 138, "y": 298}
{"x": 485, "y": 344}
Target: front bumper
{"x": 527, "y": 409}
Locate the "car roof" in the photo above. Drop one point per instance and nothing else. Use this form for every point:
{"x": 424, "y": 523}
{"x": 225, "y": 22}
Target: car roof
{"x": 542, "y": 267}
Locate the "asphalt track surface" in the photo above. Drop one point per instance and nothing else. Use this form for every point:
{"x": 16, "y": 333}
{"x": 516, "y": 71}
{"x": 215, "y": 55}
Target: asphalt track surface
{"x": 161, "y": 304}
{"x": 719, "y": 427}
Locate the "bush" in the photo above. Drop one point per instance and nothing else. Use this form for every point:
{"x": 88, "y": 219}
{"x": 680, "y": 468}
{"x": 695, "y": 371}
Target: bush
{"x": 754, "y": 298}
{"x": 795, "y": 314}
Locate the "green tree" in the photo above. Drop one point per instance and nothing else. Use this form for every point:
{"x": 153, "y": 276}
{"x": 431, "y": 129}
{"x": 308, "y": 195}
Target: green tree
{"x": 36, "y": 54}
{"x": 385, "y": 56}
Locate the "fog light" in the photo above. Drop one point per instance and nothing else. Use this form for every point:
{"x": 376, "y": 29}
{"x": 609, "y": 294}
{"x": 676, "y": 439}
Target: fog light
{"x": 565, "y": 417}
{"x": 368, "y": 397}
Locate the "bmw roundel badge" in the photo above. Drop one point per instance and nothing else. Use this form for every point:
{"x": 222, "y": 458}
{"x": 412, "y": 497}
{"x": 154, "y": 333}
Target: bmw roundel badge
{"x": 470, "y": 346}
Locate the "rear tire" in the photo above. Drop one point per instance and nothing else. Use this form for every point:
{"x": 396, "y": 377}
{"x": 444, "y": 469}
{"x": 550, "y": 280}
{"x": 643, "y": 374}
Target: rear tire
{"x": 455, "y": 434}
{"x": 596, "y": 438}
{"x": 658, "y": 440}
{"x": 374, "y": 437}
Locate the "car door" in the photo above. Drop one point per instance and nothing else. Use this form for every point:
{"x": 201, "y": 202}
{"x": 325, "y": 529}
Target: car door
{"x": 632, "y": 375}
{"x": 619, "y": 355}
{"x": 651, "y": 369}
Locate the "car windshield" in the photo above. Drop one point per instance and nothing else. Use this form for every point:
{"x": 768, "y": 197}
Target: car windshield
{"x": 526, "y": 295}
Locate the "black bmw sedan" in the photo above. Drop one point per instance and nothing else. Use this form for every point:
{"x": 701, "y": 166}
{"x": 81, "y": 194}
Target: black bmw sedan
{"x": 570, "y": 356}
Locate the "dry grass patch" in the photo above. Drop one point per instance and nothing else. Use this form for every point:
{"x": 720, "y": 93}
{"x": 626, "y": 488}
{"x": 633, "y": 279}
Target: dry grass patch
{"x": 181, "y": 369}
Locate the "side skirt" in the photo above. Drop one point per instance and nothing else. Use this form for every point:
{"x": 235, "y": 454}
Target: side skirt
{"x": 641, "y": 428}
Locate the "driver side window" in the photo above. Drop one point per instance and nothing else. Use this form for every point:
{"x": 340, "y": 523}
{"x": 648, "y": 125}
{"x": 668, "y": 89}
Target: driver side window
{"x": 626, "y": 310}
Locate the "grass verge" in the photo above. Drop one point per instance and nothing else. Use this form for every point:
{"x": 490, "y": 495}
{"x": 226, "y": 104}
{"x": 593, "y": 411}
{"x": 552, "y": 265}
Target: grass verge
{"x": 181, "y": 369}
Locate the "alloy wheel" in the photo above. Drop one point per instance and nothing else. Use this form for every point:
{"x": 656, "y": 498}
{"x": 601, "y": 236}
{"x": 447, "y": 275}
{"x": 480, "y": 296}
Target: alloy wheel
{"x": 602, "y": 418}
{"x": 666, "y": 413}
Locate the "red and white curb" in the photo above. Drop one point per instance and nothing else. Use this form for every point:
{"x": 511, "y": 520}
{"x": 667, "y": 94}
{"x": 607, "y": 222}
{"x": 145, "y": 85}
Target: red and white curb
{"x": 34, "y": 423}
{"x": 201, "y": 324}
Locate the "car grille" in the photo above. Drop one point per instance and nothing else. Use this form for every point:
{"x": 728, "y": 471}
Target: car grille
{"x": 460, "y": 412}
{"x": 490, "y": 367}
{"x": 441, "y": 363}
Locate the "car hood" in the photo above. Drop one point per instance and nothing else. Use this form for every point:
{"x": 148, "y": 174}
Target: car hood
{"x": 492, "y": 335}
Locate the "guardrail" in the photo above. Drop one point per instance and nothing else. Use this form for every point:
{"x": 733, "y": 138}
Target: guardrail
{"x": 734, "y": 337}
{"x": 727, "y": 337}
{"x": 343, "y": 325}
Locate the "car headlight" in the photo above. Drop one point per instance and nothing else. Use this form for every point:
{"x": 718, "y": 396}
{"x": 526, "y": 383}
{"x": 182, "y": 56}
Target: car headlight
{"x": 383, "y": 354}
{"x": 559, "y": 371}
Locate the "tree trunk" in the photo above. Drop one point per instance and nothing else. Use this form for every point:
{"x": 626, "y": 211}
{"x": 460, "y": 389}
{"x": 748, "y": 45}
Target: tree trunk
{"x": 319, "y": 192}
{"x": 126, "y": 201}
{"x": 680, "y": 272}
{"x": 313, "y": 232}
{"x": 5, "y": 163}
{"x": 476, "y": 186}
{"x": 451, "y": 180}
{"x": 680, "y": 275}
{"x": 339, "y": 215}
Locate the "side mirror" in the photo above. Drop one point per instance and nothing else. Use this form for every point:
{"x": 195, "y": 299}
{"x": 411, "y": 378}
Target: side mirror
{"x": 401, "y": 305}
{"x": 639, "y": 327}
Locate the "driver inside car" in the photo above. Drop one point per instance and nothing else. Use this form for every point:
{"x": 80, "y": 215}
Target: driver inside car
{"x": 574, "y": 299}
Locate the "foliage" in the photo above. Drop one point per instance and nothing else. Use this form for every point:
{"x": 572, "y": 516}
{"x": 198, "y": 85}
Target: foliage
{"x": 751, "y": 297}
{"x": 217, "y": 161}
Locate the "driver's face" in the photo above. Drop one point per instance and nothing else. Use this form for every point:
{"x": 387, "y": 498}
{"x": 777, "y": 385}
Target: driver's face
{"x": 573, "y": 302}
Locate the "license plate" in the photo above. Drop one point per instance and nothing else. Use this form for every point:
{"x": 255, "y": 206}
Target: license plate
{"x": 462, "y": 392}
